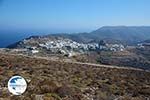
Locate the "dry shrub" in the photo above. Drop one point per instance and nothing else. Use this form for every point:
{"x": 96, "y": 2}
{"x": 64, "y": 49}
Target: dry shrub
{"x": 66, "y": 91}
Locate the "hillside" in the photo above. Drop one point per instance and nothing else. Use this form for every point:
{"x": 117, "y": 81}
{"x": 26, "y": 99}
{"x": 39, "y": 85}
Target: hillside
{"x": 58, "y": 80}
{"x": 125, "y": 34}
{"x": 110, "y": 45}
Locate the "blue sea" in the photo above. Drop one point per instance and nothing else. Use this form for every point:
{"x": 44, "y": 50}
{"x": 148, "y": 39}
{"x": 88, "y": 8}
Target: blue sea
{"x": 10, "y": 38}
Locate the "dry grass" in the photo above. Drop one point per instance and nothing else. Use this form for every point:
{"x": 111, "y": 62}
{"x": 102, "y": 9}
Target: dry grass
{"x": 54, "y": 80}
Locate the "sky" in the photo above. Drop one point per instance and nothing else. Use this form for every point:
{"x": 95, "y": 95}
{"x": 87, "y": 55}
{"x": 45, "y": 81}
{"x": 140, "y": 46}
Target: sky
{"x": 71, "y": 15}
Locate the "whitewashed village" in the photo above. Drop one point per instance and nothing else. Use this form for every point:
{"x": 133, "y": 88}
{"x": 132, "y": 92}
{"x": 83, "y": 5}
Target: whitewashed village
{"x": 63, "y": 46}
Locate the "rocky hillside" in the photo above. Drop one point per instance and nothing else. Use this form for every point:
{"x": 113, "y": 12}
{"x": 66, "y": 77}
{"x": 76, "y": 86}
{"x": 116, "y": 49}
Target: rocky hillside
{"x": 58, "y": 80}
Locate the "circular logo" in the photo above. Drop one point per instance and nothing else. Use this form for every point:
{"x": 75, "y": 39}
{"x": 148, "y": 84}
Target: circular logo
{"x": 17, "y": 85}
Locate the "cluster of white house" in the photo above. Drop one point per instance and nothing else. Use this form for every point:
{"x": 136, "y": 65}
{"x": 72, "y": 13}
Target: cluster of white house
{"x": 68, "y": 44}
{"x": 112, "y": 47}
{"x": 144, "y": 45}
{"x": 68, "y": 47}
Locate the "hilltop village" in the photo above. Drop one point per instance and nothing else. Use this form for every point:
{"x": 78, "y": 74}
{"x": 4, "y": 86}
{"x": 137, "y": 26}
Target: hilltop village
{"x": 63, "y": 46}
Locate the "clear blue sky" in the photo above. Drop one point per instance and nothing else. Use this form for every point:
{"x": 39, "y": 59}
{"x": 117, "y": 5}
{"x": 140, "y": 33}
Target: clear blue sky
{"x": 72, "y": 15}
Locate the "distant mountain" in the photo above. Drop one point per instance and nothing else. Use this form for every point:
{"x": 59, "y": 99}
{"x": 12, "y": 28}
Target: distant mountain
{"x": 125, "y": 34}
{"x": 147, "y": 41}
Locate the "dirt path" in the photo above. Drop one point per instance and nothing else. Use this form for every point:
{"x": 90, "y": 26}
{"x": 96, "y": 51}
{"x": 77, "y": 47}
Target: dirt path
{"x": 73, "y": 62}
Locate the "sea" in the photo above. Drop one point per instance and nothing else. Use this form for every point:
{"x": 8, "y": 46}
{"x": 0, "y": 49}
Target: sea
{"x": 11, "y": 38}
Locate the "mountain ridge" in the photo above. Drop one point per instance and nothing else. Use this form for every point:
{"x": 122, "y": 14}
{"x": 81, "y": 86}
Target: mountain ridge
{"x": 126, "y": 34}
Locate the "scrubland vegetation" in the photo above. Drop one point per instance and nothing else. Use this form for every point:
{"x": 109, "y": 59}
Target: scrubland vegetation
{"x": 57, "y": 80}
